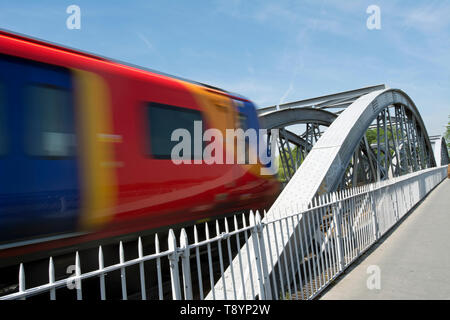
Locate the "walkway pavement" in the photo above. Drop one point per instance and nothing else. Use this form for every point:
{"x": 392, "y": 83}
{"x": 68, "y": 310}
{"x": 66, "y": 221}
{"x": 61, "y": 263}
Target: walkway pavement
{"x": 414, "y": 261}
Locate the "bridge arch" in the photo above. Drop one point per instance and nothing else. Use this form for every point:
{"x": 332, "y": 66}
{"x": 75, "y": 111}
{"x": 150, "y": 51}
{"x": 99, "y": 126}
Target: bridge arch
{"x": 328, "y": 161}
{"x": 293, "y": 148}
{"x": 440, "y": 150}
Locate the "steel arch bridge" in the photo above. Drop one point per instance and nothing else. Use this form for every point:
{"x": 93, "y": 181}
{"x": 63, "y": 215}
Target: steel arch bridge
{"x": 313, "y": 114}
{"x": 343, "y": 156}
{"x": 391, "y": 142}
{"x": 374, "y": 134}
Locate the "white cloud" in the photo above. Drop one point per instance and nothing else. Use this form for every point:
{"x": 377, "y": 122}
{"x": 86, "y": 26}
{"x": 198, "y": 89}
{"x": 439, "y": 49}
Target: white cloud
{"x": 430, "y": 18}
{"x": 146, "y": 41}
{"x": 275, "y": 12}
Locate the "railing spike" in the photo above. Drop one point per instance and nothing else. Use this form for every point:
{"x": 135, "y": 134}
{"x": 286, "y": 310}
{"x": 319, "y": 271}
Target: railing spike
{"x": 227, "y": 230}
{"x": 78, "y": 273}
{"x": 140, "y": 248}
{"x": 101, "y": 266}
{"x": 217, "y": 228}
{"x": 156, "y": 243}
{"x": 51, "y": 277}
{"x": 21, "y": 279}
{"x": 252, "y": 218}
{"x": 195, "y": 234}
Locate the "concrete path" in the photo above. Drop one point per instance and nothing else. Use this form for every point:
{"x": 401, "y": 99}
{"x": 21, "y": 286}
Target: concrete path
{"x": 414, "y": 261}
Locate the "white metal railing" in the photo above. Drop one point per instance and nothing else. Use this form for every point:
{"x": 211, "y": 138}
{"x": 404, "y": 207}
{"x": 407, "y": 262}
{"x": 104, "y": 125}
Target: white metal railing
{"x": 328, "y": 235}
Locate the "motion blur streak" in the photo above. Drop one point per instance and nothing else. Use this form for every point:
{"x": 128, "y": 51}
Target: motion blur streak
{"x": 99, "y": 190}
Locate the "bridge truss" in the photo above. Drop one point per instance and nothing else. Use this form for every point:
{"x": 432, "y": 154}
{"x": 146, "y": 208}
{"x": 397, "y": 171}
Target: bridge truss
{"x": 395, "y": 143}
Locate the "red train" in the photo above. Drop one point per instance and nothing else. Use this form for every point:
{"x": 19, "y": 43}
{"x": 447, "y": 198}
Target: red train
{"x": 85, "y": 150}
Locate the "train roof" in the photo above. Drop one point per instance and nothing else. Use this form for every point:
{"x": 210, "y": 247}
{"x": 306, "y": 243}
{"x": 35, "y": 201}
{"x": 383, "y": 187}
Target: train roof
{"x": 53, "y": 45}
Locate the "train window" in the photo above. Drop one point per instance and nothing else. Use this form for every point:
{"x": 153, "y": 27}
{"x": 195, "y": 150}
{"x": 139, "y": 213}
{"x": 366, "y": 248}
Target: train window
{"x": 3, "y": 122}
{"x": 165, "y": 119}
{"x": 49, "y": 122}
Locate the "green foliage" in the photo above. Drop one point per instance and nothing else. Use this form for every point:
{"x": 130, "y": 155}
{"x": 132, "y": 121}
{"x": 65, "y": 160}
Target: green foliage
{"x": 281, "y": 171}
{"x": 371, "y": 135}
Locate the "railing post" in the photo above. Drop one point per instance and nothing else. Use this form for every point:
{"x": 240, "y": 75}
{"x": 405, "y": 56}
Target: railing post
{"x": 51, "y": 278}
{"x": 260, "y": 227}
{"x": 397, "y": 186}
{"x": 101, "y": 266}
{"x": 374, "y": 212}
{"x": 254, "y": 235}
{"x": 141, "y": 269}
{"x": 186, "y": 265}
{"x": 173, "y": 263}
{"x": 21, "y": 280}
{"x": 339, "y": 239}
{"x": 78, "y": 274}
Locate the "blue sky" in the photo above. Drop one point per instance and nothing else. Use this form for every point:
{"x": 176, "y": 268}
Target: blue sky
{"x": 268, "y": 51}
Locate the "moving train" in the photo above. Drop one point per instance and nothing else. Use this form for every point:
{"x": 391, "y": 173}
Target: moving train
{"x": 85, "y": 146}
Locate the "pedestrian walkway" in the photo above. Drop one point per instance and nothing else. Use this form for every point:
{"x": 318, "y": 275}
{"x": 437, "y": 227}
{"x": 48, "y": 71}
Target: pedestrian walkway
{"x": 413, "y": 262}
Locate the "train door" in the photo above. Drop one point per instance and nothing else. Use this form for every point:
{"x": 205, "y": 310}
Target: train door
{"x": 39, "y": 189}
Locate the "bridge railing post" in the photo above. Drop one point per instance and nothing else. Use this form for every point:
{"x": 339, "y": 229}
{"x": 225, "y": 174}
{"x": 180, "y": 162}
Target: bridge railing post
{"x": 262, "y": 247}
{"x": 185, "y": 264}
{"x": 256, "y": 251}
{"x": 337, "y": 220}
{"x": 374, "y": 212}
{"x": 173, "y": 264}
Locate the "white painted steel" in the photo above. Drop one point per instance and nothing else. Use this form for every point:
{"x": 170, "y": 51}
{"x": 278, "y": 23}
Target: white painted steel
{"x": 440, "y": 151}
{"x": 123, "y": 276}
{"x": 101, "y": 265}
{"x": 77, "y": 275}
{"x": 51, "y": 278}
{"x": 141, "y": 270}
{"x": 185, "y": 264}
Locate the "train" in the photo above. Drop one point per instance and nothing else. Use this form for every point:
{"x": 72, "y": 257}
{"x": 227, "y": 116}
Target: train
{"x": 85, "y": 146}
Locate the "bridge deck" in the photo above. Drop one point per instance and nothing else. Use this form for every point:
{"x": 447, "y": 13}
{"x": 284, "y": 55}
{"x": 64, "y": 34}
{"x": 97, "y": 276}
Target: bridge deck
{"x": 414, "y": 260}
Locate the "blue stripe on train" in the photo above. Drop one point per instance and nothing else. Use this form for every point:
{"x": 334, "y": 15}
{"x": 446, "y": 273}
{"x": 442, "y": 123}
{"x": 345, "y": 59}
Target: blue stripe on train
{"x": 39, "y": 196}
{"x": 248, "y": 109}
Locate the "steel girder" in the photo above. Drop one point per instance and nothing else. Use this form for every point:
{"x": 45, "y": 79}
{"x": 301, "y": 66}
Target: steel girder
{"x": 400, "y": 148}
{"x": 293, "y": 148}
{"x": 336, "y": 100}
{"x": 327, "y": 162}
{"x": 440, "y": 150}
{"x": 313, "y": 113}
{"x": 287, "y": 117}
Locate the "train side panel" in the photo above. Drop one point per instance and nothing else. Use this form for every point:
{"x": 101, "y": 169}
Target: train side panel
{"x": 100, "y": 167}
